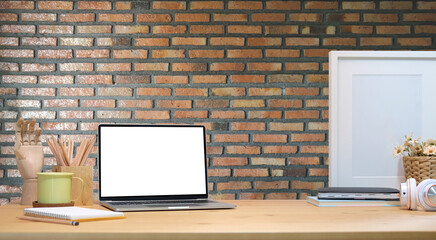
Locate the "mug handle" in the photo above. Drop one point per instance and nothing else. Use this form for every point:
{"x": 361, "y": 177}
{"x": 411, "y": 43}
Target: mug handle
{"x": 83, "y": 187}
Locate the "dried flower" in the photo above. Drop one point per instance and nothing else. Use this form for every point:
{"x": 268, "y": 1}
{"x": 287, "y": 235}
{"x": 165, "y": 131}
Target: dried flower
{"x": 414, "y": 147}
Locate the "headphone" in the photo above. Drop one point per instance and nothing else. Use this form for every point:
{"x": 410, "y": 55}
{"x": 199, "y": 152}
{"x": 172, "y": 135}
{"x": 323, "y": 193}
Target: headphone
{"x": 423, "y": 195}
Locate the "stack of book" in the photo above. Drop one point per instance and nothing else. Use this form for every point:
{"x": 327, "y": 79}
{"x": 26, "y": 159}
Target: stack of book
{"x": 361, "y": 196}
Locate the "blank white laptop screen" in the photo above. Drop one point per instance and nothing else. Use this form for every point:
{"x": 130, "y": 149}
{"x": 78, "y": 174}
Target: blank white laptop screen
{"x": 152, "y": 161}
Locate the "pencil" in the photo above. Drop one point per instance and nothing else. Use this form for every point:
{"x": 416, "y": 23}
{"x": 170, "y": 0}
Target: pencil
{"x": 49, "y": 220}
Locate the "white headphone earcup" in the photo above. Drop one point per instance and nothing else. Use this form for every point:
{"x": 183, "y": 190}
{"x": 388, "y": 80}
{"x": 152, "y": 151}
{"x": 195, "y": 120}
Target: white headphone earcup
{"x": 422, "y": 192}
{"x": 412, "y": 202}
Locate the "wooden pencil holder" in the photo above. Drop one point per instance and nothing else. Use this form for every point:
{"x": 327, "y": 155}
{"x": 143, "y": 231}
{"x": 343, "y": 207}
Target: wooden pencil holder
{"x": 86, "y": 173}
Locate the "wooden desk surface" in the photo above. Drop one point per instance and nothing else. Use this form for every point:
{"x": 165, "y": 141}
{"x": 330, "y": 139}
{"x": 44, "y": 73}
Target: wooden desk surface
{"x": 255, "y": 219}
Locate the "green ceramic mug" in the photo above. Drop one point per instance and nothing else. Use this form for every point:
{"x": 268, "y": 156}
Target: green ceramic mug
{"x": 55, "y": 187}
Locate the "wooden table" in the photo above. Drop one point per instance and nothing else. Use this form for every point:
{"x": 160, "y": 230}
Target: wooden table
{"x": 255, "y": 219}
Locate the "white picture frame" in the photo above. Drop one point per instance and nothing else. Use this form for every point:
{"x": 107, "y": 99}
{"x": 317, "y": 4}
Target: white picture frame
{"x": 375, "y": 99}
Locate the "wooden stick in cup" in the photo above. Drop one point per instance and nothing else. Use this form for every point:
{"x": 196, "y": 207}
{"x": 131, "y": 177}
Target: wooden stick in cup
{"x": 88, "y": 150}
{"x": 79, "y": 153}
{"x": 55, "y": 153}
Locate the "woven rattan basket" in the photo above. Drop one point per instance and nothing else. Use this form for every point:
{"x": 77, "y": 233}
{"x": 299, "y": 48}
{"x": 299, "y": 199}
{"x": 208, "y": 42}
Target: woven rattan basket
{"x": 420, "y": 168}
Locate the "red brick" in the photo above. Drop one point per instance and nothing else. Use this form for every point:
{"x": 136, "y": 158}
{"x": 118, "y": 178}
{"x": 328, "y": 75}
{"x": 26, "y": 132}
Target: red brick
{"x": 35, "y": 41}
{"x": 152, "y": 42}
{"x": 339, "y": 42}
{"x": 317, "y": 52}
{"x": 56, "y": 79}
{"x": 302, "y": 91}
{"x": 425, "y": 29}
{"x": 154, "y": 18}
{"x": 173, "y": 5}
{"x": 243, "y": 149}
{"x": 13, "y": 53}
{"x": 94, "y": 79}
{"x": 233, "y": 185}
{"x": 321, "y": 5}
{"x": 304, "y": 161}
{"x": 17, "y": 5}
{"x": 94, "y": 5}
{"x": 415, "y": 41}
{"x": 112, "y": 17}
{"x": 123, "y": 5}
{"x": 190, "y": 114}
{"x": 56, "y": 29}
{"x": 393, "y": 30}
{"x": 189, "y": 67}
{"x": 244, "y": 29}
{"x": 55, "y": 5}
{"x": 251, "y": 5}
{"x": 278, "y": 138}
{"x": 59, "y": 126}
{"x": 38, "y": 92}
{"x": 301, "y": 66}
{"x": 268, "y": 17}
{"x": 114, "y": 114}
{"x": 207, "y": 29}
{"x": 380, "y": 17}
{"x": 206, "y": 53}
{"x": 422, "y": 5}
{"x": 79, "y": 17}
{"x": 76, "y": 114}
{"x": 209, "y": 79}
{"x": 156, "y": 115}
{"x": 244, "y": 53}
{"x": 114, "y": 67}
{"x": 314, "y": 149}
{"x": 248, "y": 78}
{"x": 283, "y": 103}
{"x": 227, "y": 41}
{"x": 166, "y": 53}
{"x": 8, "y": 91}
{"x": 286, "y": 195}
{"x": 265, "y": 91}
{"x": 169, "y": 29}
{"x": 94, "y": 29}
{"x": 202, "y": 5}
{"x": 8, "y": 17}
{"x": 55, "y": 53}
{"x": 133, "y": 79}
{"x": 374, "y": 41}
{"x": 278, "y": 126}
{"x": 265, "y": 42}
{"x": 154, "y": 91}
{"x": 280, "y": 149}
{"x": 272, "y": 185}
{"x": 123, "y": 41}
{"x": 22, "y": 103}
{"x": 19, "y": 79}
{"x": 308, "y": 137}
{"x": 248, "y": 126}
{"x": 218, "y": 172}
{"x": 228, "y": 91}
{"x": 212, "y": 103}
{"x": 98, "y": 53}
{"x": 281, "y": 30}
{"x": 257, "y": 172}
{"x": 125, "y": 29}
{"x": 264, "y": 114}
{"x": 115, "y": 91}
{"x": 73, "y": 67}
{"x": 18, "y": 29}
{"x": 251, "y": 103}
{"x": 230, "y": 161}
{"x": 264, "y": 66}
{"x": 36, "y": 67}
{"x": 171, "y": 79}
{"x": 135, "y": 103}
{"x": 398, "y": 5}
{"x": 302, "y": 41}
{"x": 231, "y": 138}
{"x": 135, "y": 53}
{"x": 45, "y": 17}
{"x": 228, "y": 114}
{"x": 358, "y": 5}
{"x": 86, "y": 42}
{"x": 282, "y": 53}
{"x": 151, "y": 67}
{"x": 345, "y": 17}
{"x": 192, "y": 17}
{"x": 283, "y": 5}
{"x": 191, "y": 92}
{"x": 77, "y": 91}
{"x": 318, "y": 126}
{"x": 174, "y": 103}
{"x": 197, "y": 41}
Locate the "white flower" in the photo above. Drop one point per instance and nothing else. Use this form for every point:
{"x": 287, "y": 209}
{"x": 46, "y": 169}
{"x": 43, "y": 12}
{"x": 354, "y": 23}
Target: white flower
{"x": 430, "y": 150}
{"x": 398, "y": 150}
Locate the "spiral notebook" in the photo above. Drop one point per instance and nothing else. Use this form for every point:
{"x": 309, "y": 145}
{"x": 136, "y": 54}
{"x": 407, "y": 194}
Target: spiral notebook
{"x": 78, "y": 214}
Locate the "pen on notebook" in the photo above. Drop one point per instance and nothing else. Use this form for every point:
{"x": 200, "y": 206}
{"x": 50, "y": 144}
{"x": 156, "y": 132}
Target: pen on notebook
{"x": 48, "y": 220}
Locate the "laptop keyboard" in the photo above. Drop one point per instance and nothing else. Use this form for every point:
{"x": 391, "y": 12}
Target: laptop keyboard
{"x": 160, "y": 202}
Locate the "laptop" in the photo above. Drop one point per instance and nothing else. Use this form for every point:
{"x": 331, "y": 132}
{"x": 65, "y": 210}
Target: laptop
{"x": 154, "y": 167}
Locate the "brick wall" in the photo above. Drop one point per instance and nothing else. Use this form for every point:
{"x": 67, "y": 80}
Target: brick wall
{"x": 255, "y": 73}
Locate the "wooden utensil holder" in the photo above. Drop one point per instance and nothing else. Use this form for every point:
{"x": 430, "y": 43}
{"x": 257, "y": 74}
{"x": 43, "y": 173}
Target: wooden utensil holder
{"x": 86, "y": 173}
